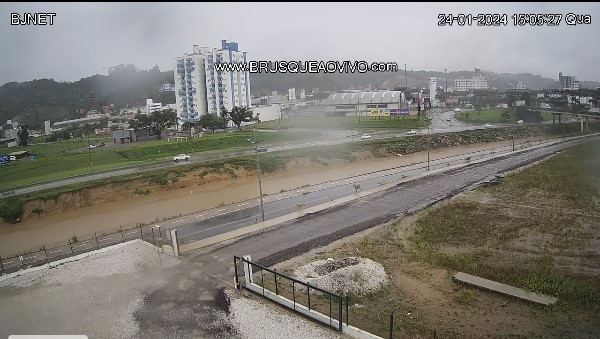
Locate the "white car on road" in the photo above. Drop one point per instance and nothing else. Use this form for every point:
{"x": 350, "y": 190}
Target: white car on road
{"x": 365, "y": 136}
{"x": 488, "y": 126}
{"x": 411, "y": 132}
{"x": 181, "y": 157}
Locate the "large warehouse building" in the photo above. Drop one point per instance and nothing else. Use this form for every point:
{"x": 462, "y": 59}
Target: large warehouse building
{"x": 363, "y": 102}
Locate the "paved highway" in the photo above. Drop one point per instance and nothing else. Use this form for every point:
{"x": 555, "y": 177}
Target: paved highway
{"x": 228, "y": 218}
{"x": 299, "y": 236}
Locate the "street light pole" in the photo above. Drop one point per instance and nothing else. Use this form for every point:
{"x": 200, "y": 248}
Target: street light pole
{"x": 405, "y": 80}
{"x": 428, "y": 141}
{"x": 262, "y": 208}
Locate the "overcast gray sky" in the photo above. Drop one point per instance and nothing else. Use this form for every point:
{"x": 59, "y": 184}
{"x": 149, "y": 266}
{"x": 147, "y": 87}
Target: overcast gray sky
{"x": 87, "y": 39}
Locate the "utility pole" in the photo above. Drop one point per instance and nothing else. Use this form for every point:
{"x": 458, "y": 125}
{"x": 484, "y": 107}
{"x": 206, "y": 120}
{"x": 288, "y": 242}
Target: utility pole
{"x": 513, "y": 134}
{"x": 280, "y": 120}
{"x": 358, "y": 111}
{"x": 446, "y": 77}
{"x": 405, "y": 79}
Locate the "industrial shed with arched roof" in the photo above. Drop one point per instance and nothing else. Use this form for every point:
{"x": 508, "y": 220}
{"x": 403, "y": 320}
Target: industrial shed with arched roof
{"x": 350, "y": 103}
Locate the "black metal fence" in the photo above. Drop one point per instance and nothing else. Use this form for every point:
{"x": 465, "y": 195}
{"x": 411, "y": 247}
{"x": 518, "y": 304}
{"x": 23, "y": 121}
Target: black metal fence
{"x": 82, "y": 244}
{"x": 299, "y": 294}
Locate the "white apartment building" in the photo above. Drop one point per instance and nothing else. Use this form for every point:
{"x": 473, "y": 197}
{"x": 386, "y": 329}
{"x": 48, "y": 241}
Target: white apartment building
{"x": 200, "y": 89}
{"x": 433, "y": 91}
{"x": 476, "y": 82}
{"x": 567, "y": 82}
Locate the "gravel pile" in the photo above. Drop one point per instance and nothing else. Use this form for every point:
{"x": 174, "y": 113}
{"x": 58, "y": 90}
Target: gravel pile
{"x": 331, "y": 265}
{"x": 96, "y": 293}
{"x": 253, "y": 319}
{"x": 344, "y": 276}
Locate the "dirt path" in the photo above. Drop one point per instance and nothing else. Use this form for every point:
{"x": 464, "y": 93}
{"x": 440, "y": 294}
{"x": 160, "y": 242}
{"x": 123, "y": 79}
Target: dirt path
{"x": 54, "y": 229}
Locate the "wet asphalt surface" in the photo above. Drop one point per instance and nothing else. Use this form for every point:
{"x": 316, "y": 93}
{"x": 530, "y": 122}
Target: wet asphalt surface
{"x": 194, "y": 306}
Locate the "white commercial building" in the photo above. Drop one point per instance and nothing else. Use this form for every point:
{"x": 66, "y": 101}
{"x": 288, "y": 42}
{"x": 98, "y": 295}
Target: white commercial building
{"x": 364, "y": 102}
{"x": 201, "y": 89}
{"x": 152, "y": 106}
{"x": 476, "y": 82}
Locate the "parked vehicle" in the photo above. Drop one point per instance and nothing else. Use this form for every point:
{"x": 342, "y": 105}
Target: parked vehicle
{"x": 184, "y": 157}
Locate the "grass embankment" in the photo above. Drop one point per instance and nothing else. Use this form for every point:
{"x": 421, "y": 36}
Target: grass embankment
{"x": 519, "y": 232}
{"x": 346, "y": 123}
{"x": 69, "y": 158}
{"x": 492, "y": 115}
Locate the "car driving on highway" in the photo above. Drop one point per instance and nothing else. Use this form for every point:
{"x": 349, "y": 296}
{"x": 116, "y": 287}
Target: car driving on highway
{"x": 183, "y": 157}
{"x": 365, "y": 136}
{"x": 411, "y": 132}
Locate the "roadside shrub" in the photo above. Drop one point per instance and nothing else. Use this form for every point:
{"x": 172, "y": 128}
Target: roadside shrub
{"x": 11, "y": 211}
{"x": 158, "y": 179}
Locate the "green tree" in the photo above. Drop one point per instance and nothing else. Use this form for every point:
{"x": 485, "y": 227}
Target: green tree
{"x": 155, "y": 122}
{"x": 237, "y": 115}
{"x": 526, "y": 96}
{"x": 23, "y": 136}
{"x": 212, "y": 122}
{"x": 505, "y": 116}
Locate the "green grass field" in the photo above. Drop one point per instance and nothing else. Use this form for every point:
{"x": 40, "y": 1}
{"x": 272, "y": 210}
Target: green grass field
{"x": 492, "y": 115}
{"x": 69, "y": 158}
{"x": 345, "y": 123}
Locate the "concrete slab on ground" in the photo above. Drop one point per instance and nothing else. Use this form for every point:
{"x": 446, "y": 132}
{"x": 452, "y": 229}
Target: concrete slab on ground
{"x": 504, "y": 289}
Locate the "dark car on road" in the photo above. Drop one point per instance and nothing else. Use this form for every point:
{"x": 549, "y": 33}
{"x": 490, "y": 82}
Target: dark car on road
{"x": 261, "y": 149}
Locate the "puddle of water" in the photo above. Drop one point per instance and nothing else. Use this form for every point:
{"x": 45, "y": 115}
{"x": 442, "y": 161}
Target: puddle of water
{"x": 58, "y": 228}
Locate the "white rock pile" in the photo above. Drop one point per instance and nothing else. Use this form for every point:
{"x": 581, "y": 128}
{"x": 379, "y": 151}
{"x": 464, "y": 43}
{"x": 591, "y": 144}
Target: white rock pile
{"x": 351, "y": 275}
